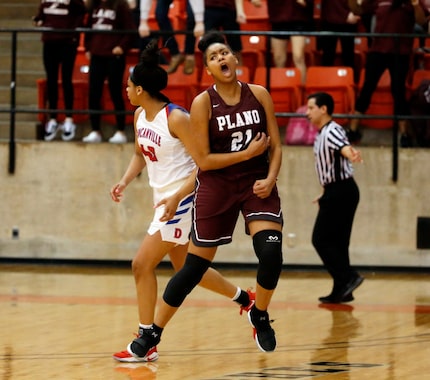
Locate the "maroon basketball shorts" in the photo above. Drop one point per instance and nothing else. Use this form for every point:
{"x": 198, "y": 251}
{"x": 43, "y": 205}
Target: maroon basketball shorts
{"x": 218, "y": 202}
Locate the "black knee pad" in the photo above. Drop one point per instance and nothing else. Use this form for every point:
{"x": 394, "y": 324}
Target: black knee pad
{"x": 268, "y": 248}
{"x": 181, "y": 284}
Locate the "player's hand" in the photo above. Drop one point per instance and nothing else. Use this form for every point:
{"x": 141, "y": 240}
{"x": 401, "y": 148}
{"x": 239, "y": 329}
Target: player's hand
{"x": 116, "y": 192}
{"x": 263, "y": 188}
{"x": 117, "y": 50}
{"x": 241, "y": 18}
{"x": 170, "y": 207}
{"x": 143, "y": 29}
{"x": 258, "y": 145}
{"x": 352, "y": 18}
{"x": 199, "y": 29}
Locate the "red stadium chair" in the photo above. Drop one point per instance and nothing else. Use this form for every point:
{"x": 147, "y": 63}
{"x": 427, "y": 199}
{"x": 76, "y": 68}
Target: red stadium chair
{"x": 182, "y": 88}
{"x": 285, "y": 88}
{"x": 418, "y": 76}
{"x": 257, "y": 19}
{"x": 338, "y": 81}
{"x": 252, "y": 59}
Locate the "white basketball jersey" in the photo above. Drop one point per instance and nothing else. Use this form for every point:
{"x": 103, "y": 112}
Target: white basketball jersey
{"x": 167, "y": 161}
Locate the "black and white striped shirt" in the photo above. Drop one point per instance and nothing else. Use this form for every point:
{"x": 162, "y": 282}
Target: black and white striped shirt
{"x": 330, "y": 165}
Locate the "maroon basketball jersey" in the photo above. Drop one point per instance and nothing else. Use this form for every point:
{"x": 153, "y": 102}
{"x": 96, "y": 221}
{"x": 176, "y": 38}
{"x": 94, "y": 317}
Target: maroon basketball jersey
{"x": 231, "y": 129}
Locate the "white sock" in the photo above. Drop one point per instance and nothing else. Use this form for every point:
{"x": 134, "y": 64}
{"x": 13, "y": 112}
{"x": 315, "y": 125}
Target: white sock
{"x": 238, "y": 292}
{"x": 145, "y": 327}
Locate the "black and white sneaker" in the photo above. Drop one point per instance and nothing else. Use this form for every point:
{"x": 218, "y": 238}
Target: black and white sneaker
{"x": 69, "y": 129}
{"x": 51, "y": 129}
{"x": 264, "y": 335}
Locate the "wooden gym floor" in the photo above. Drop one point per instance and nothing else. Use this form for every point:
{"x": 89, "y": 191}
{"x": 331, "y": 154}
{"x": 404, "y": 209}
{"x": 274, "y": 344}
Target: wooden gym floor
{"x": 64, "y": 322}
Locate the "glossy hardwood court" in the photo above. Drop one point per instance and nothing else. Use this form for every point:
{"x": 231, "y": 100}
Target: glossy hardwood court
{"x": 60, "y": 322}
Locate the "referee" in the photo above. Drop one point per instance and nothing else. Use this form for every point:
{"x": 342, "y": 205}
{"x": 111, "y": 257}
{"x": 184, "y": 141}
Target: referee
{"x": 332, "y": 230}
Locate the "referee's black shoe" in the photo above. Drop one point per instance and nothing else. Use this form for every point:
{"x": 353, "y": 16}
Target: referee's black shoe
{"x": 343, "y": 293}
{"x": 351, "y": 285}
{"x": 333, "y": 298}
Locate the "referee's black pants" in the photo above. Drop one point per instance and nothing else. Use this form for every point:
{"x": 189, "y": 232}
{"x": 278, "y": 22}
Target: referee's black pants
{"x": 332, "y": 229}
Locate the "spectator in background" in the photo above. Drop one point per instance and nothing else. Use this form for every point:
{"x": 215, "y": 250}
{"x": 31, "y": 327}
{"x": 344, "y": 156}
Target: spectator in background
{"x": 59, "y": 49}
{"x": 226, "y": 15}
{"x": 107, "y": 53}
{"x": 195, "y": 9}
{"x": 291, "y": 16}
{"x": 424, "y": 29}
{"x": 336, "y": 16}
{"x": 394, "y": 54}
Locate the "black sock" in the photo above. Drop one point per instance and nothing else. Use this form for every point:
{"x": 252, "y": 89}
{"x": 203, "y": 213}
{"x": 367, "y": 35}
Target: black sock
{"x": 257, "y": 312}
{"x": 243, "y": 298}
{"x": 157, "y": 329}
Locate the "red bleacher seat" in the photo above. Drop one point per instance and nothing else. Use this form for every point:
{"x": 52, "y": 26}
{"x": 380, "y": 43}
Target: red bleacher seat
{"x": 182, "y": 88}
{"x": 418, "y": 76}
{"x": 257, "y": 19}
{"x": 285, "y": 88}
{"x": 338, "y": 81}
{"x": 360, "y": 51}
{"x": 252, "y": 59}
{"x": 426, "y": 61}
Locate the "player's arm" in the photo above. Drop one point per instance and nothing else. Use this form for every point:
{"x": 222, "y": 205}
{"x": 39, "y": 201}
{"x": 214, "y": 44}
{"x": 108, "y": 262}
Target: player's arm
{"x": 135, "y": 167}
{"x": 263, "y": 188}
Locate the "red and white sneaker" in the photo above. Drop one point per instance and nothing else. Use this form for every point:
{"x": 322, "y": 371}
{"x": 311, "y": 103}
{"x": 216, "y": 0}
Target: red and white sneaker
{"x": 127, "y": 356}
{"x": 251, "y": 302}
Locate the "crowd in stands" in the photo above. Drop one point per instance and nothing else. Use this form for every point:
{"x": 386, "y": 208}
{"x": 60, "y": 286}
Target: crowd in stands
{"x": 370, "y": 60}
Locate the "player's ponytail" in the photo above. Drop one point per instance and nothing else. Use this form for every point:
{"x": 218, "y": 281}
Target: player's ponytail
{"x": 149, "y": 74}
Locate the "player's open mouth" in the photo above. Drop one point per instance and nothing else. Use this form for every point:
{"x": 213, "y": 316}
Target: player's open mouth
{"x": 225, "y": 69}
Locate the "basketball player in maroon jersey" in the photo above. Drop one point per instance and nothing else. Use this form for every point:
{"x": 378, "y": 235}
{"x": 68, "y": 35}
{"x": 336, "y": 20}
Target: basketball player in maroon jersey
{"x": 226, "y": 120}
